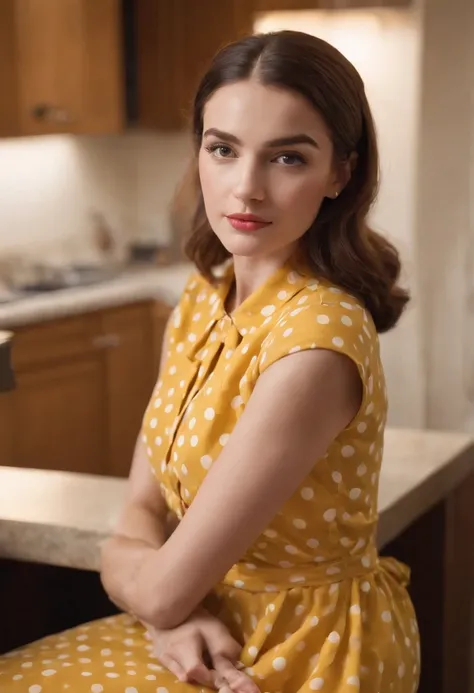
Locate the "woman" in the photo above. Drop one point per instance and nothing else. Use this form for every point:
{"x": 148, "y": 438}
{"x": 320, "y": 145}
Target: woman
{"x": 264, "y": 433}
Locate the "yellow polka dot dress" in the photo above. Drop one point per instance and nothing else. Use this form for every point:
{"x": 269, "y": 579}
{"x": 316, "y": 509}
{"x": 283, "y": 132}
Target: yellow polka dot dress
{"x": 311, "y": 602}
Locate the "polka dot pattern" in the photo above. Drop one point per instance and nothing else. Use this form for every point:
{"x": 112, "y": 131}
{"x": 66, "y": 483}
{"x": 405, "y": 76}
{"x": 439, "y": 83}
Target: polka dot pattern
{"x": 300, "y": 596}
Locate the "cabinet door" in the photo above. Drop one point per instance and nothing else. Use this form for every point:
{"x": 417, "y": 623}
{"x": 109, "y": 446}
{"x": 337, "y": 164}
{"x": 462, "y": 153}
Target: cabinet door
{"x": 176, "y": 41}
{"x": 69, "y": 66}
{"x": 130, "y": 379}
{"x": 59, "y": 415}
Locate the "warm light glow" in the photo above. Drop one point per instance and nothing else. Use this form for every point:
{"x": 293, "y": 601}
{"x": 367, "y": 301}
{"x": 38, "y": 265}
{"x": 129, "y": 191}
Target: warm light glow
{"x": 359, "y": 34}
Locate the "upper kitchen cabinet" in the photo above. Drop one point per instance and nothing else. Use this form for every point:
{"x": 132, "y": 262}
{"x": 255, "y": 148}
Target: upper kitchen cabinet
{"x": 277, "y": 5}
{"x": 61, "y": 67}
{"x": 176, "y": 39}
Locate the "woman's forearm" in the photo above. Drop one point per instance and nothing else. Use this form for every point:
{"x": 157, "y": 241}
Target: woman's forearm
{"x": 138, "y": 536}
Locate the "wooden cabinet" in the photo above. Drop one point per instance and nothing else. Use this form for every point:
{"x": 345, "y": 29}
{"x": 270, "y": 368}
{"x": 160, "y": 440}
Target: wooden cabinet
{"x": 277, "y": 5}
{"x": 82, "y": 387}
{"x": 61, "y": 63}
{"x": 176, "y": 40}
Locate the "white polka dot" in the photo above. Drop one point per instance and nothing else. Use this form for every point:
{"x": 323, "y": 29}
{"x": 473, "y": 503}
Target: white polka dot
{"x": 314, "y": 621}
{"x": 365, "y": 586}
{"x": 86, "y": 673}
{"x": 192, "y": 423}
{"x": 192, "y": 337}
{"x": 180, "y": 441}
{"x": 336, "y": 477}
{"x": 353, "y": 681}
{"x": 300, "y": 609}
{"x": 17, "y": 677}
{"x": 366, "y": 562}
{"x": 354, "y": 493}
{"x": 287, "y": 332}
{"x": 347, "y": 451}
{"x": 381, "y": 667}
{"x": 362, "y": 427}
{"x": 300, "y": 646}
{"x": 112, "y": 675}
{"x": 279, "y": 663}
{"x": 312, "y": 543}
{"x": 345, "y": 541}
{"x": 268, "y": 628}
{"x": 347, "y": 306}
{"x": 168, "y": 408}
{"x": 294, "y": 350}
{"x": 236, "y": 402}
{"x": 316, "y": 684}
{"x": 27, "y": 665}
{"x": 184, "y": 469}
{"x": 109, "y": 664}
{"x": 84, "y": 660}
{"x": 401, "y": 670}
{"x": 162, "y": 690}
{"x": 282, "y": 295}
{"x": 334, "y": 637}
{"x": 338, "y": 341}
{"x": 223, "y": 440}
{"x": 323, "y": 319}
{"x": 81, "y": 638}
{"x": 361, "y": 470}
{"x": 291, "y": 549}
{"x": 270, "y": 533}
{"x": 49, "y": 672}
{"x": 131, "y": 689}
{"x": 253, "y": 651}
{"x": 355, "y": 610}
{"x": 299, "y": 524}
{"x": 206, "y": 461}
{"x": 194, "y": 441}
{"x": 209, "y": 414}
{"x": 330, "y": 515}
{"x": 35, "y": 688}
{"x": 150, "y": 677}
{"x": 307, "y": 493}
{"x": 239, "y": 583}
{"x": 386, "y": 616}
{"x": 346, "y": 320}
{"x": 158, "y": 441}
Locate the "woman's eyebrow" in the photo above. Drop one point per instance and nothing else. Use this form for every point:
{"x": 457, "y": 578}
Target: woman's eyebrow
{"x": 301, "y": 138}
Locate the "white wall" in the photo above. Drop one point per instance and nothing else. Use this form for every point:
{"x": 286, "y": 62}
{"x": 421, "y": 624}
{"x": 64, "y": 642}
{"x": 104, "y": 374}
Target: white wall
{"x": 49, "y": 185}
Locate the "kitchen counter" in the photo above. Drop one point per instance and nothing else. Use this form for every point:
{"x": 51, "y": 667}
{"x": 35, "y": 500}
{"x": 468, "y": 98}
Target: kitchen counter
{"x": 132, "y": 284}
{"x": 60, "y": 518}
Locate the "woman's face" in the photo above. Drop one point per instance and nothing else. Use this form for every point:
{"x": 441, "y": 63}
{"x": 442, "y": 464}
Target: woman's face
{"x": 265, "y": 152}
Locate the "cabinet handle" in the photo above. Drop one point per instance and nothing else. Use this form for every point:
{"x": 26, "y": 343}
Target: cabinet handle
{"x": 106, "y": 341}
{"x": 52, "y": 114}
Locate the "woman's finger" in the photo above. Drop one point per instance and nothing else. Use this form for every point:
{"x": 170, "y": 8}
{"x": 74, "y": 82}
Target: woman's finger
{"x": 173, "y": 666}
{"x": 238, "y": 681}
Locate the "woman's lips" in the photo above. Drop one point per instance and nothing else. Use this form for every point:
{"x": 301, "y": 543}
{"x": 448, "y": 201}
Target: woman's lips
{"x": 243, "y": 222}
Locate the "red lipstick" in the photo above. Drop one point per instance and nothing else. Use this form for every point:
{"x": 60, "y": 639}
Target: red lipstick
{"x": 247, "y": 222}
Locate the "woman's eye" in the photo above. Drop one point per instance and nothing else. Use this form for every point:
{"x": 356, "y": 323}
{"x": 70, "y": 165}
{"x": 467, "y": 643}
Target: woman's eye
{"x": 220, "y": 151}
{"x": 290, "y": 159}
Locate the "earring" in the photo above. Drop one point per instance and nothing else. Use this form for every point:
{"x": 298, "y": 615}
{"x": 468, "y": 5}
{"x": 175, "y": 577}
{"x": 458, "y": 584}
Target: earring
{"x": 335, "y": 195}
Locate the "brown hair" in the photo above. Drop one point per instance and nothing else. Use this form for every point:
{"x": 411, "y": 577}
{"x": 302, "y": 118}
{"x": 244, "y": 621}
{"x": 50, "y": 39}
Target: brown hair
{"x": 339, "y": 246}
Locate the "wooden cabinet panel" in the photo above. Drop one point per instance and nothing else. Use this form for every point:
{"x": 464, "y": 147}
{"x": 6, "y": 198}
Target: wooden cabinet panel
{"x": 59, "y": 416}
{"x": 82, "y": 386}
{"x": 277, "y": 5}
{"x": 62, "y": 67}
{"x": 130, "y": 379}
{"x": 6, "y": 428}
{"x": 176, "y": 41}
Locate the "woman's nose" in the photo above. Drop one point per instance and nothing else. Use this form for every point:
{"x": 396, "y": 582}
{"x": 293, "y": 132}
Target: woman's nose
{"x": 249, "y": 184}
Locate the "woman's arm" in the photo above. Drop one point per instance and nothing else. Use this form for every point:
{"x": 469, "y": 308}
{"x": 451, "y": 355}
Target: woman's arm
{"x": 141, "y": 530}
{"x": 298, "y": 407}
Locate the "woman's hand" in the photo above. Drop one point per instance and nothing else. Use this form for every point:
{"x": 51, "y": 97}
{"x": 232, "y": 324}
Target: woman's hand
{"x": 201, "y": 650}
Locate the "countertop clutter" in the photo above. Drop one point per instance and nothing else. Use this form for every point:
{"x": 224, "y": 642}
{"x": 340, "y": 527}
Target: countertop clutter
{"x": 60, "y": 518}
{"x": 129, "y": 286}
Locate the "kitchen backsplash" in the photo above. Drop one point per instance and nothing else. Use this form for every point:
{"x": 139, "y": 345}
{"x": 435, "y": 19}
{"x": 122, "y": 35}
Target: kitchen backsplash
{"x": 49, "y": 186}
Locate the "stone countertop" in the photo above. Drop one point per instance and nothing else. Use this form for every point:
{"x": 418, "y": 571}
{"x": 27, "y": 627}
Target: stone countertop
{"x": 60, "y": 518}
{"x": 130, "y": 285}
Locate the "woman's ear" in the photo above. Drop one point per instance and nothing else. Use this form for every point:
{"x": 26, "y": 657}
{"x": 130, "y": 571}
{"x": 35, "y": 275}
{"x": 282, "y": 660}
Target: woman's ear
{"x": 343, "y": 175}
